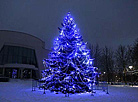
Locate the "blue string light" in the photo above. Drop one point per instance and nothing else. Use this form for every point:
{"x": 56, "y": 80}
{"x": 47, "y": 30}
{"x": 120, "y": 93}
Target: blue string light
{"x": 69, "y": 68}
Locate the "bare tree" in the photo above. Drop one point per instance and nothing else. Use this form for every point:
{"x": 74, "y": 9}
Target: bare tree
{"x": 135, "y": 53}
{"x": 130, "y": 56}
{"x": 107, "y": 62}
{"x": 95, "y": 53}
{"x": 122, "y": 57}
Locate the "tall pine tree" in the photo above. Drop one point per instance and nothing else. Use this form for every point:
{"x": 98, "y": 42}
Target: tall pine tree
{"x": 69, "y": 67}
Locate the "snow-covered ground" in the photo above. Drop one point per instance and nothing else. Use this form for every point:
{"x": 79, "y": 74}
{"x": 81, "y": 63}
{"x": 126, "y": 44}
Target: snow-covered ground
{"x": 21, "y": 91}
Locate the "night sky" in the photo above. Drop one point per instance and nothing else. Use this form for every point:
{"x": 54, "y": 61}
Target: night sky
{"x": 106, "y": 22}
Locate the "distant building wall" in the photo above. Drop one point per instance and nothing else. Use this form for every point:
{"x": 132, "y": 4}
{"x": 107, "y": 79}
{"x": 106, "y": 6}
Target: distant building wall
{"x": 23, "y": 40}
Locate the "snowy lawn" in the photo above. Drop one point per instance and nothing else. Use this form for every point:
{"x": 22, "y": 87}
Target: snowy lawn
{"x": 20, "y": 91}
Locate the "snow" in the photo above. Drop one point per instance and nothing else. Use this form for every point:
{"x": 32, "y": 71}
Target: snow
{"x": 21, "y": 91}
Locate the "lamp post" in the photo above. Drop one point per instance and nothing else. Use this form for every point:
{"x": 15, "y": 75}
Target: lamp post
{"x": 104, "y": 76}
{"x": 131, "y": 67}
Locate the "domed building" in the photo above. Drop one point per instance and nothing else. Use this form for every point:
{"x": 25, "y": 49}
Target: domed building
{"x": 21, "y": 55}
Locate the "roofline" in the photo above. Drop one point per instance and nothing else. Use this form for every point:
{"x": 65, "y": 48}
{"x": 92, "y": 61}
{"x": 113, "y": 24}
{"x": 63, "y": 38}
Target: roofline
{"x": 47, "y": 49}
{"x": 24, "y": 33}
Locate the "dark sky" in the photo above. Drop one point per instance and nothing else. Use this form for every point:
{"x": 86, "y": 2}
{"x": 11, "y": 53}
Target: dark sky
{"x": 106, "y": 22}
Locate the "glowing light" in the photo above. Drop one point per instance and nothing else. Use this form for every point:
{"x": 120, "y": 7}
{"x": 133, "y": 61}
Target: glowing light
{"x": 69, "y": 63}
{"x": 74, "y": 26}
{"x": 87, "y": 62}
{"x": 91, "y": 61}
{"x": 130, "y": 67}
{"x": 78, "y": 44}
{"x": 84, "y": 53}
{"x": 88, "y": 80}
{"x": 61, "y": 32}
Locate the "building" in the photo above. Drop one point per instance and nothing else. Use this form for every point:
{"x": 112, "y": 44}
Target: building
{"x": 21, "y": 55}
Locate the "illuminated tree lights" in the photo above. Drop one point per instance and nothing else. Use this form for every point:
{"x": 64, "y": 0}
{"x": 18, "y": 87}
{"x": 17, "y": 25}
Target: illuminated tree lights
{"x": 69, "y": 68}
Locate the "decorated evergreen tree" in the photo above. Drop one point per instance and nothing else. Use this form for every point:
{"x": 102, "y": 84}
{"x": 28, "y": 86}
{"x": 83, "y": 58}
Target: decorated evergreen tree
{"x": 69, "y": 67}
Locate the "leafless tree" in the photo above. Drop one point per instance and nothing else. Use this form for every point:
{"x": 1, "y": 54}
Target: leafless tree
{"x": 135, "y": 53}
{"x": 107, "y": 62}
{"x": 123, "y": 56}
{"x": 130, "y": 56}
{"x": 95, "y": 53}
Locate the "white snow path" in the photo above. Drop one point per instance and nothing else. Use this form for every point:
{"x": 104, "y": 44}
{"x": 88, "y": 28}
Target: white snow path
{"x": 21, "y": 91}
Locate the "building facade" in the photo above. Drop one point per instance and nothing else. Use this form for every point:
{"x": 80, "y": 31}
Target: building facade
{"x": 21, "y": 55}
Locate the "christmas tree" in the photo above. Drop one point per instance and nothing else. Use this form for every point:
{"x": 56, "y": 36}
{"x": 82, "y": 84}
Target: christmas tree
{"x": 69, "y": 67}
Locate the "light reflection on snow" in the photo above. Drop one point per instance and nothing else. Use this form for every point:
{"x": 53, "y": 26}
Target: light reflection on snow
{"x": 84, "y": 93}
{"x": 124, "y": 86}
{"x": 134, "y": 86}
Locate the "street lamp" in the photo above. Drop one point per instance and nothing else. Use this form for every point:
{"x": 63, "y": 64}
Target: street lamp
{"x": 104, "y": 76}
{"x": 130, "y": 67}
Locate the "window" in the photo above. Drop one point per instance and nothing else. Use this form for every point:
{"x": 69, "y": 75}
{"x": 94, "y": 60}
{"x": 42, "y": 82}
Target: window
{"x": 16, "y": 54}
